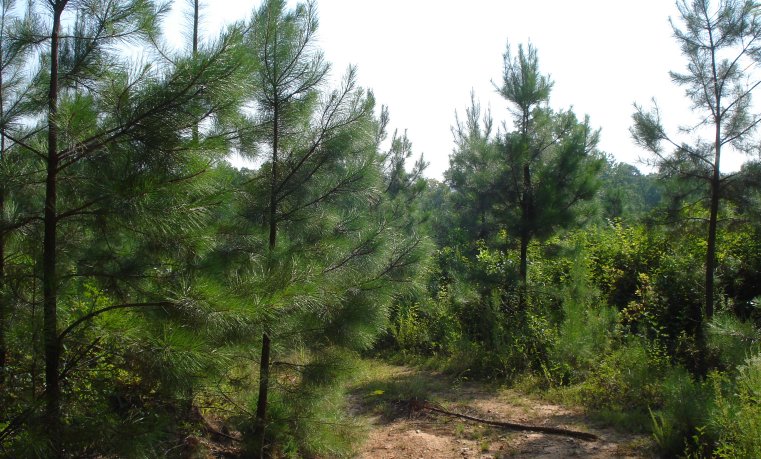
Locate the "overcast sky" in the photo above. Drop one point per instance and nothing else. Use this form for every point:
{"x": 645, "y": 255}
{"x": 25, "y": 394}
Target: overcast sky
{"x": 422, "y": 58}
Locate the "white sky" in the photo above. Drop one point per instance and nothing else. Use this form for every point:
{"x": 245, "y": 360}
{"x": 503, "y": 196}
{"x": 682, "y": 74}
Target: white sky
{"x": 423, "y": 57}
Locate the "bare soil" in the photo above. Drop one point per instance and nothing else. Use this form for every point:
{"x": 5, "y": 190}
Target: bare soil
{"x": 382, "y": 402}
{"x": 396, "y": 432}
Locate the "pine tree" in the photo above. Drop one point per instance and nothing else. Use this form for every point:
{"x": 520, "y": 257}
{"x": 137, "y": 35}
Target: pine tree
{"x": 472, "y": 173}
{"x": 305, "y": 138}
{"x": 721, "y": 44}
{"x": 551, "y": 161}
{"x": 331, "y": 248}
{"x": 122, "y": 191}
{"x": 531, "y": 181}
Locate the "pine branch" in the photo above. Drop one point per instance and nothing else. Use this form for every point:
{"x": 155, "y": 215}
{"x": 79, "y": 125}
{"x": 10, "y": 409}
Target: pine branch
{"x": 98, "y": 312}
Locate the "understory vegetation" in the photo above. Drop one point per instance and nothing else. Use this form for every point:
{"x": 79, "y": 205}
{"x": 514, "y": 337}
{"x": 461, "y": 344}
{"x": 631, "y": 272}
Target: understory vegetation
{"x": 153, "y": 296}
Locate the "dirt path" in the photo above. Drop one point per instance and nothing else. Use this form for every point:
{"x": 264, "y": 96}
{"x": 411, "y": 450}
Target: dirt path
{"x": 394, "y": 434}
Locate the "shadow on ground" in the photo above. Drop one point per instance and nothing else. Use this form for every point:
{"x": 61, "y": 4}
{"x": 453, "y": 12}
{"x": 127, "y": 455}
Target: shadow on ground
{"x": 388, "y": 397}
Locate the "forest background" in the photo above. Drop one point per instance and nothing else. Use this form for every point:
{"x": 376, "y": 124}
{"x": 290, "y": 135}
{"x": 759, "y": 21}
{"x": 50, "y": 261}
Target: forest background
{"x": 145, "y": 281}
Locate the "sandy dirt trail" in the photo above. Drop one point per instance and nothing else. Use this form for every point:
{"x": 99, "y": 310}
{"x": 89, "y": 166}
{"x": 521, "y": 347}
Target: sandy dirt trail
{"x": 393, "y": 433}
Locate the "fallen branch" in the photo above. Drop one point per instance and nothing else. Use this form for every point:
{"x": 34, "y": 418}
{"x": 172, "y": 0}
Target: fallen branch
{"x": 417, "y": 405}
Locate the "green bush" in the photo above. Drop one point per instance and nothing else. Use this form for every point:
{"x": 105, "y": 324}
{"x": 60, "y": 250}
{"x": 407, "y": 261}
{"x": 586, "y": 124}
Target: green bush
{"x": 515, "y": 344}
{"x": 626, "y": 384}
{"x": 427, "y": 327}
{"x": 585, "y": 333}
{"x": 731, "y": 340}
{"x": 618, "y": 254}
{"x": 679, "y": 422}
{"x": 735, "y": 420}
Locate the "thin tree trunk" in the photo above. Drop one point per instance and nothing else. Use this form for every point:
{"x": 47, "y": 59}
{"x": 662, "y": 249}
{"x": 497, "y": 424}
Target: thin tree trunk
{"x": 195, "y": 27}
{"x": 261, "y": 403}
{"x": 273, "y": 180}
{"x": 712, "y": 225}
{"x": 3, "y": 308}
{"x": 4, "y": 311}
{"x": 527, "y": 216}
{"x": 264, "y": 362}
{"x": 697, "y": 314}
{"x": 49, "y": 280}
{"x": 523, "y": 269}
{"x": 196, "y": 7}
{"x": 715, "y": 179}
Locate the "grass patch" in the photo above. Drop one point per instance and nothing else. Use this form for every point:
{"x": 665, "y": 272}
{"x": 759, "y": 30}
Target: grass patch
{"x": 385, "y": 390}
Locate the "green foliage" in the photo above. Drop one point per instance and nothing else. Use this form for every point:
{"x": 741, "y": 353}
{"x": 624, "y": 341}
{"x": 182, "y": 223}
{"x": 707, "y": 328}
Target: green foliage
{"x": 170, "y": 265}
{"x": 625, "y": 193}
{"x": 618, "y": 254}
{"x": 626, "y": 379}
{"x": 739, "y": 274}
{"x": 308, "y": 415}
{"x": 684, "y": 410}
{"x": 164, "y": 273}
{"x": 735, "y": 421}
{"x": 585, "y": 333}
{"x": 427, "y": 328}
{"x": 732, "y": 340}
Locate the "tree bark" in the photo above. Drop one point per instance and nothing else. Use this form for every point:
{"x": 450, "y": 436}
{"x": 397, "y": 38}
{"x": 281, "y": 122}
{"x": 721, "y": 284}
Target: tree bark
{"x": 712, "y": 226}
{"x": 3, "y": 308}
{"x": 261, "y": 403}
{"x": 697, "y": 314}
{"x": 527, "y": 216}
{"x": 264, "y": 362}
{"x": 196, "y": 7}
{"x": 49, "y": 279}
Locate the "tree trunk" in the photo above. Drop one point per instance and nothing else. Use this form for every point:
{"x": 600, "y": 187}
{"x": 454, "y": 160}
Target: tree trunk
{"x": 3, "y": 308}
{"x": 195, "y": 27}
{"x": 261, "y": 403}
{"x": 527, "y": 217}
{"x": 712, "y": 225}
{"x": 49, "y": 280}
{"x": 523, "y": 270}
{"x": 697, "y": 315}
{"x": 274, "y": 179}
{"x": 264, "y": 362}
{"x": 196, "y": 7}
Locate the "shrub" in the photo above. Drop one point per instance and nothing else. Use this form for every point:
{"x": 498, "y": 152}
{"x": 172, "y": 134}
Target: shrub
{"x": 680, "y": 421}
{"x": 585, "y": 333}
{"x": 731, "y": 340}
{"x": 626, "y": 384}
{"x": 736, "y": 418}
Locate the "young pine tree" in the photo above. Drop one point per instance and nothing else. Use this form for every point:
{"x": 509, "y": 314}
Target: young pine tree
{"x": 721, "y": 43}
{"x": 331, "y": 249}
{"x": 122, "y": 174}
{"x": 533, "y": 180}
{"x": 551, "y": 161}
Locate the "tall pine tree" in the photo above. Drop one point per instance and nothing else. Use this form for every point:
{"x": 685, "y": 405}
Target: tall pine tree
{"x": 551, "y": 158}
{"x": 533, "y": 180}
{"x": 120, "y": 168}
{"x": 721, "y": 44}
{"x": 331, "y": 248}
